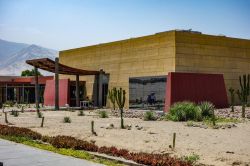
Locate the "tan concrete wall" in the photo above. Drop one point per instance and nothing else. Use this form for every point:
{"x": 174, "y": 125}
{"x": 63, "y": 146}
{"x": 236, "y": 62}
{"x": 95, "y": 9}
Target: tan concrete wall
{"x": 144, "y": 56}
{"x": 213, "y": 54}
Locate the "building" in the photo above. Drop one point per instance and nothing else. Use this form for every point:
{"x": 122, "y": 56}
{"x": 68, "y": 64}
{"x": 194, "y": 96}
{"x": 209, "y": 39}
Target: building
{"x": 163, "y": 68}
{"x": 150, "y": 59}
{"x": 21, "y": 89}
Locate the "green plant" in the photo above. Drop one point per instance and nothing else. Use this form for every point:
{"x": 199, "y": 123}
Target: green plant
{"x": 81, "y": 113}
{"x": 120, "y": 97}
{"x": 190, "y": 123}
{"x": 103, "y": 114}
{"x": 16, "y": 113}
{"x": 66, "y": 119}
{"x": 9, "y": 104}
{"x": 27, "y": 92}
{"x": 149, "y": 116}
{"x": 12, "y": 112}
{"x": 243, "y": 93}
{"x": 22, "y": 109}
{"x": 192, "y": 159}
{"x": 39, "y": 114}
{"x": 206, "y": 108}
{"x": 111, "y": 96}
{"x": 232, "y": 94}
{"x": 184, "y": 111}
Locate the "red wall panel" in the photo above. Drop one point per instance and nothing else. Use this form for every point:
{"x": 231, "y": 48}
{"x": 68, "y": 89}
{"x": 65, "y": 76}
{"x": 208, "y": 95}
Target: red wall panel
{"x": 49, "y": 92}
{"x": 196, "y": 87}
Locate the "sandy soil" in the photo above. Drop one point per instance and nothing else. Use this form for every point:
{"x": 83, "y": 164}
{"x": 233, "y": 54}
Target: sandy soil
{"x": 212, "y": 145}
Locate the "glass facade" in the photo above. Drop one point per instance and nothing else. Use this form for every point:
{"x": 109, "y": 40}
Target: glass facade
{"x": 147, "y": 92}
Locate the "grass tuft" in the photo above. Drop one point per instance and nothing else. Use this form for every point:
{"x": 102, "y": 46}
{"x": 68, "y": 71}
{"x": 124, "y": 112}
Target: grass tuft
{"x": 103, "y": 114}
{"x": 66, "y": 119}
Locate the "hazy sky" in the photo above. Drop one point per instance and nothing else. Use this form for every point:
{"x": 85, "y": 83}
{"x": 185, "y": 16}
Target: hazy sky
{"x": 64, "y": 24}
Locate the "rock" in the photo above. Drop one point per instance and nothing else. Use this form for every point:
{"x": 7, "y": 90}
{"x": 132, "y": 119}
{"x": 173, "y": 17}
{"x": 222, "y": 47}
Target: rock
{"x": 139, "y": 128}
{"x": 203, "y": 126}
{"x": 150, "y": 132}
{"x": 230, "y": 152}
{"x": 236, "y": 163}
{"x": 92, "y": 141}
{"x": 216, "y": 127}
{"x": 110, "y": 126}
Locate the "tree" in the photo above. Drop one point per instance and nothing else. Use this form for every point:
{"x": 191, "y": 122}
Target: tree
{"x": 30, "y": 73}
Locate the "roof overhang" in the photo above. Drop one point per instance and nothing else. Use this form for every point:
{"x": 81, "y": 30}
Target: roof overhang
{"x": 49, "y": 65}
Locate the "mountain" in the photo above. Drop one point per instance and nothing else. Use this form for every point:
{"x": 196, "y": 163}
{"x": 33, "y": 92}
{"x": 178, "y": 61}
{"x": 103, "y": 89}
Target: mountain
{"x": 8, "y": 48}
{"x": 14, "y": 62}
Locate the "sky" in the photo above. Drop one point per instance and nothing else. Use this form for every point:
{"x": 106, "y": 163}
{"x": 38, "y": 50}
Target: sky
{"x": 65, "y": 24}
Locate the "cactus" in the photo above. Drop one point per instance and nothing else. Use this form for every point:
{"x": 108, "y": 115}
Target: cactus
{"x": 111, "y": 96}
{"x": 120, "y": 100}
{"x": 244, "y": 91}
{"x": 232, "y": 94}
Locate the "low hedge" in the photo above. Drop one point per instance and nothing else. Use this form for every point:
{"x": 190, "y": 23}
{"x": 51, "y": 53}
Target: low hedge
{"x": 77, "y": 144}
{"x": 20, "y": 132}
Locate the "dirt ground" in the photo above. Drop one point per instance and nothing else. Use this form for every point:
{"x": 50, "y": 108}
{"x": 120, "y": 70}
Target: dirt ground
{"x": 214, "y": 146}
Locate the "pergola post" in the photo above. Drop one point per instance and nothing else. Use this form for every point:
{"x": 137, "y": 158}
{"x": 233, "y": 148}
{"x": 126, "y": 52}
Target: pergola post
{"x": 36, "y": 90}
{"x": 56, "y": 83}
{"x": 77, "y": 91}
{"x": 23, "y": 95}
{"x": 6, "y": 91}
{"x": 100, "y": 88}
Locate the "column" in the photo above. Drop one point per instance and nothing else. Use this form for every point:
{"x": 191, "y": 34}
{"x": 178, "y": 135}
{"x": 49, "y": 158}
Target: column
{"x": 56, "y": 83}
{"x": 77, "y": 92}
{"x": 36, "y": 90}
{"x": 6, "y": 91}
{"x": 100, "y": 88}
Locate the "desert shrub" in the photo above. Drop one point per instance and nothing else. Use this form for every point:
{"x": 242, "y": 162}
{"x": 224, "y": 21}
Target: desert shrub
{"x": 184, "y": 111}
{"x": 46, "y": 138}
{"x": 103, "y": 114}
{"x": 156, "y": 159}
{"x": 149, "y": 116}
{"x": 39, "y": 114}
{"x": 66, "y": 119}
{"x": 12, "y": 112}
{"x": 81, "y": 113}
{"x": 9, "y": 104}
{"x": 192, "y": 159}
{"x": 16, "y": 113}
{"x": 206, "y": 109}
{"x": 18, "y": 131}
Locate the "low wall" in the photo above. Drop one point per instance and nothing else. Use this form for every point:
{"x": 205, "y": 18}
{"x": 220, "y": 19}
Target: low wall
{"x": 49, "y": 92}
{"x": 195, "y": 87}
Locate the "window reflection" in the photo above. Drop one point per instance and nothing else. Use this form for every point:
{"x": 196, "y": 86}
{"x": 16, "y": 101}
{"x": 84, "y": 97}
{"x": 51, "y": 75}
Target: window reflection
{"x": 147, "y": 92}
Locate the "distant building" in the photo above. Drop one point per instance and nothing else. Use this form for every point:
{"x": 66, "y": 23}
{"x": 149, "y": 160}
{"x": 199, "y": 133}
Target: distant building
{"x": 150, "y": 64}
{"x": 20, "y": 89}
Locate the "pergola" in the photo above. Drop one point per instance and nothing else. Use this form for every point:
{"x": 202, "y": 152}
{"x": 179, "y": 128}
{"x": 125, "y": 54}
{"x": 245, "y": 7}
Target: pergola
{"x": 57, "y": 68}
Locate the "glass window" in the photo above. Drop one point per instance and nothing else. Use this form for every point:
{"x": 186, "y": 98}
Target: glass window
{"x": 147, "y": 92}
